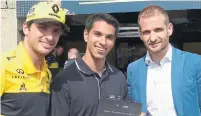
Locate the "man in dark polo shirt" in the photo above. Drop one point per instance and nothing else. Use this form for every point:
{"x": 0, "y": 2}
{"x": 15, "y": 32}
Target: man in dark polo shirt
{"x": 76, "y": 90}
{"x": 25, "y": 78}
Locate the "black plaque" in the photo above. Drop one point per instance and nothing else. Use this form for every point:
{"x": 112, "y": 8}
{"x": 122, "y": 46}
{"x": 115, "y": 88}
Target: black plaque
{"x": 111, "y": 107}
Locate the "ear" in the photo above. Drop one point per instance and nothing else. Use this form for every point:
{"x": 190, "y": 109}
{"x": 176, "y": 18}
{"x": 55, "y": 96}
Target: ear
{"x": 86, "y": 34}
{"x": 25, "y": 29}
{"x": 170, "y": 29}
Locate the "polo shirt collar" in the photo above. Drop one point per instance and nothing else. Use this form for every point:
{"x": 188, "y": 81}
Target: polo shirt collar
{"x": 25, "y": 59}
{"x": 167, "y": 57}
{"x": 83, "y": 67}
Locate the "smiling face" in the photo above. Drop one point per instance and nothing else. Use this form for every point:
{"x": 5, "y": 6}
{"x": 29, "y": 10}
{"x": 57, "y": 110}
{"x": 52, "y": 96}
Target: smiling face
{"x": 154, "y": 32}
{"x": 100, "y": 39}
{"x": 41, "y": 38}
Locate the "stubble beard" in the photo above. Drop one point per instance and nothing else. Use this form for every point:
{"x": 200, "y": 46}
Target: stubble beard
{"x": 159, "y": 49}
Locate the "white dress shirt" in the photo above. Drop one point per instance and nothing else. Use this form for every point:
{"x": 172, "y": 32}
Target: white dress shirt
{"x": 159, "y": 89}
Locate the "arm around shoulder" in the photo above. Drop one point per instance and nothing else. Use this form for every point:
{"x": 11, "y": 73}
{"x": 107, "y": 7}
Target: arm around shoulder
{"x": 60, "y": 100}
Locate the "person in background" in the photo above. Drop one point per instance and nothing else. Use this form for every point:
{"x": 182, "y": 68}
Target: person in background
{"x": 167, "y": 81}
{"x": 25, "y": 78}
{"x": 53, "y": 58}
{"x": 77, "y": 89}
{"x": 73, "y": 53}
{"x": 59, "y": 50}
{"x": 60, "y": 57}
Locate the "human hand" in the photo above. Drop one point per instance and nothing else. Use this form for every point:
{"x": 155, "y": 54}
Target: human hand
{"x": 143, "y": 114}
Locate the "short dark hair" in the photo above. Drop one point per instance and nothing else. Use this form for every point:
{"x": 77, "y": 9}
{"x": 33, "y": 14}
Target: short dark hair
{"x": 29, "y": 23}
{"x": 102, "y": 17}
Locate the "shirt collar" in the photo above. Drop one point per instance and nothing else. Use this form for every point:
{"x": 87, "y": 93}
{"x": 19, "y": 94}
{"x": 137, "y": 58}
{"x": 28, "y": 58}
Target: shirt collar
{"x": 169, "y": 53}
{"x": 168, "y": 56}
{"x": 25, "y": 59}
{"x": 83, "y": 67}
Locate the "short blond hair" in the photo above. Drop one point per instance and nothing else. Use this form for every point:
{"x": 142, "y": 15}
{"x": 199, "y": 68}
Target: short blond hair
{"x": 151, "y": 11}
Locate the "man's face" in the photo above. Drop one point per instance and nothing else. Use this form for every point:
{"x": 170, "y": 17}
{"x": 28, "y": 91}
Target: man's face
{"x": 155, "y": 33}
{"x": 73, "y": 54}
{"x": 59, "y": 51}
{"x": 42, "y": 37}
{"x": 100, "y": 39}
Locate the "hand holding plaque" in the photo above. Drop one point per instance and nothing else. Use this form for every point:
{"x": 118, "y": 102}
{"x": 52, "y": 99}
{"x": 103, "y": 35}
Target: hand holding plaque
{"x": 111, "y": 107}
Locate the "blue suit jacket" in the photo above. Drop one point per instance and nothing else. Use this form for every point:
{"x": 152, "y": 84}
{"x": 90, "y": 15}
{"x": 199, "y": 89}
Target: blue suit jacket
{"x": 186, "y": 82}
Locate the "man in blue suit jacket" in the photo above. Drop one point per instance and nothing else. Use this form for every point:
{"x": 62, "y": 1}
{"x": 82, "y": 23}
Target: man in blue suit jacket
{"x": 167, "y": 81}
